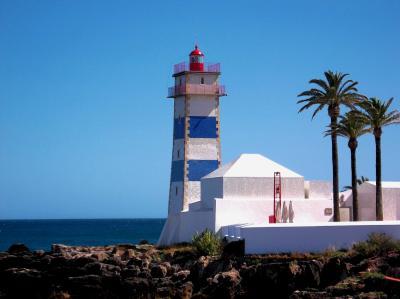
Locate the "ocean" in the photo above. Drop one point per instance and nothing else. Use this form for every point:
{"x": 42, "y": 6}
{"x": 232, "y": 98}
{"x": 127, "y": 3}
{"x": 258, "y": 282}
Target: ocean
{"x": 40, "y": 234}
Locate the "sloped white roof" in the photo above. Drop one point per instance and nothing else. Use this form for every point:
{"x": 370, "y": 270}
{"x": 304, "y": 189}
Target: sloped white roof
{"x": 389, "y": 185}
{"x": 251, "y": 165}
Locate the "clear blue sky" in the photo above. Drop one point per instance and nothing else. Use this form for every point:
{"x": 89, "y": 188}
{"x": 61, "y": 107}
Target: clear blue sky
{"x": 85, "y": 126}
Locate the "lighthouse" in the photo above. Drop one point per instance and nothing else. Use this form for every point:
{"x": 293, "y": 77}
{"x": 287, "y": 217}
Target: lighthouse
{"x": 196, "y": 149}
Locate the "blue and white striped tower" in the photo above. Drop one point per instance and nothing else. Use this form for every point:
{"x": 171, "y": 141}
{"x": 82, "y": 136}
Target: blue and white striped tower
{"x": 196, "y": 139}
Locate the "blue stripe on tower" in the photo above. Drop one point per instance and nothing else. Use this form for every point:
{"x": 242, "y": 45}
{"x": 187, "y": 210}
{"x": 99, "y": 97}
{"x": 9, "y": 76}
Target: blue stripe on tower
{"x": 179, "y": 128}
{"x": 177, "y": 171}
{"x": 200, "y": 168}
{"x": 203, "y": 127}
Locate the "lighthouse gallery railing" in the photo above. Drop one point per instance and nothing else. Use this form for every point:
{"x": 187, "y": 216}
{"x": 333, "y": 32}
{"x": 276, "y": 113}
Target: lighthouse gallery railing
{"x": 199, "y": 89}
{"x": 184, "y": 67}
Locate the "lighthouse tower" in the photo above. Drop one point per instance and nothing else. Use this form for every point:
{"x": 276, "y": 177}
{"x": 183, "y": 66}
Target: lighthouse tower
{"x": 196, "y": 136}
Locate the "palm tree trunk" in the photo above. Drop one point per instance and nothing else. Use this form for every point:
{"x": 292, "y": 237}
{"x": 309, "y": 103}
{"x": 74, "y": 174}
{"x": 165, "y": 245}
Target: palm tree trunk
{"x": 353, "y": 148}
{"x": 378, "y": 168}
{"x": 335, "y": 172}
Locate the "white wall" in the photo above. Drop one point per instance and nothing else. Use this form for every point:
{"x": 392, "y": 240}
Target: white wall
{"x": 262, "y": 188}
{"x": 176, "y": 197}
{"x": 182, "y": 226}
{"x": 311, "y": 238}
{"x": 320, "y": 189}
{"x": 202, "y": 105}
{"x": 179, "y": 107}
{"x": 193, "y": 222}
{"x": 211, "y": 189}
{"x": 193, "y": 191}
{"x": 209, "y": 78}
{"x": 202, "y": 149}
{"x": 180, "y": 80}
{"x": 367, "y": 202}
{"x": 234, "y": 211}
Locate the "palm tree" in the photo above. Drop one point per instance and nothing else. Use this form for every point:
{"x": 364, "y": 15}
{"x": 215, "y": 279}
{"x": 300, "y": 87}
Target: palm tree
{"x": 360, "y": 181}
{"x": 377, "y": 115}
{"x": 351, "y": 126}
{"x": 332, "y": 93}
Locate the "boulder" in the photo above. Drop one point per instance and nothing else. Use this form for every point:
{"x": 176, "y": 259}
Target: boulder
{"x": 181, "y": 276}
{"x": 224, "y": 285}
{"x": 159, "y": 270}
{"x": 24, "y": 283}
{"x": 137, "y": 287}
{"x": 100, "y": 256}
{"x": 185, "y": 291}
{"x": 18, "y": 248}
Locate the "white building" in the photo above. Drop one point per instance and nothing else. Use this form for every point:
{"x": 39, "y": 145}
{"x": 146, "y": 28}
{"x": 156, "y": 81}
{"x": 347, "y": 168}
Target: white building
{"x": 241, "y": 192}
{"x": 367, "y": 200}
{"x": 237, "y": 199}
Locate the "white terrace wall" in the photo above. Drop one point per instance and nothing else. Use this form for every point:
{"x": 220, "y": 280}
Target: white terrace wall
{"x": 312, "y": 238}
{"x": 239, "y": 211}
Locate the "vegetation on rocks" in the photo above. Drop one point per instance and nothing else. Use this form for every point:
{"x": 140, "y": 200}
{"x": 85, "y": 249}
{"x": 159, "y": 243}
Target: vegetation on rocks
{"x": 368, "y": 270}
{"x": 207, "y": 243}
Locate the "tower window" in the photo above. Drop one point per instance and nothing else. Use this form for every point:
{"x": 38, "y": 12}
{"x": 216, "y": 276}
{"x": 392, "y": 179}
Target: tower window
{"x": 176, "y": 190}
{"x": 180, "y": 81}
{"x": 177, "y": 153}
{"x": 202, "y": 80}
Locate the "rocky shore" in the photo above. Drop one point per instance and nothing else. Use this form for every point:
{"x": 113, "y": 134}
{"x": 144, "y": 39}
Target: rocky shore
{"x": 144, "y": 271}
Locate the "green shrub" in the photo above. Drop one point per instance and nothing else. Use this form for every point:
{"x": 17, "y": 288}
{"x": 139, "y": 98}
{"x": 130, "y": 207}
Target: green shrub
{"x": 377, "y": 244}
{"x": 207, "y": 243}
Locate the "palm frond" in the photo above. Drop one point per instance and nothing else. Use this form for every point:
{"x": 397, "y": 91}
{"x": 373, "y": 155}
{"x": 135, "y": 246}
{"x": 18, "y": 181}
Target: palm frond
{"x": 333, "y": 91}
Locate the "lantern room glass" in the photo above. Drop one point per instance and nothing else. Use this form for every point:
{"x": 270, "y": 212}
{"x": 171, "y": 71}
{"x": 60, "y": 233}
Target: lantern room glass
{"x": 196, "y": 59}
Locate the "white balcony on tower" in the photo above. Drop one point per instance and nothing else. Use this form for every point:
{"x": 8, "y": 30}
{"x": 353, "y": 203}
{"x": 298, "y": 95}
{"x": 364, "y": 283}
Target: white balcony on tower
{"x": 184, "y": 67}
{"x": 196, "y": 89}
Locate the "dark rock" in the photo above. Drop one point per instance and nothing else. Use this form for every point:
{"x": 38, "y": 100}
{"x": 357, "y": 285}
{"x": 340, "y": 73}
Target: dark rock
{"x": 225, "y": 285}
{"x": 137, "y": 287}
{"x": 86, "y": 286}
{"x": 114, "y": 260}
{"x": 164, "y": 292}
{"x": 174, "y": 268}
{"x": 15, "y": 261}
{"x": 233, "y": 249}
{"x": 334, "y": 271}
{"x": 110, "y": 270}
{"x": 84, "y": 280}
{"x": 158, "y": 270}
{"x": 100, "y": 256}
{"x": 145, "y": 273}
{"x": 185, "y": 291}
{"x": 136, "y": 261}
{"x": 39, "y": 253}
{"x": 183, "y": 258}
{"x": 94, "y": 268}
{"x": 130, "y": 272}
{"x": 82, "y": 261}
{"x": 18, "y": 249}
{"x": 310, "y": 294}
{"x": 59, "y": 248}
{"x": 24, "y": 283}
{"x": 181, "y": 276}
{"x": 143, "y": 242}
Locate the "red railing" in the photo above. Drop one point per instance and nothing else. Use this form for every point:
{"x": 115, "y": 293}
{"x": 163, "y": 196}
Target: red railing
{"x": 184, "y": 67}
{"x": 196, "y": 89}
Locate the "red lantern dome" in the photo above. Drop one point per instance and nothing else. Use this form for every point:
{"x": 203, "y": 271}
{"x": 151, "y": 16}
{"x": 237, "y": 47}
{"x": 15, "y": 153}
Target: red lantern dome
{"x": 196, "y": 60}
